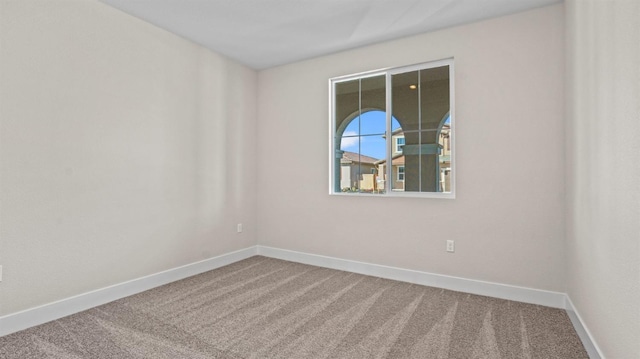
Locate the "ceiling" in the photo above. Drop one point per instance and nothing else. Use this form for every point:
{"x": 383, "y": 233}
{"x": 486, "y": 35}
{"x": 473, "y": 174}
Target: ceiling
{"x": 267, "y": 33}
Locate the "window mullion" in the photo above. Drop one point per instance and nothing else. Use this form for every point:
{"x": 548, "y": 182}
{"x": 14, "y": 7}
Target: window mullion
{"x": 388, "y": 184}
{"x": 359, "y": 136}
{"x": 419, "y": 132}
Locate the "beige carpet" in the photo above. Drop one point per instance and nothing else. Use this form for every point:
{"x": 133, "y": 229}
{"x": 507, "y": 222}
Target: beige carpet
{"x": 268, "y": 308}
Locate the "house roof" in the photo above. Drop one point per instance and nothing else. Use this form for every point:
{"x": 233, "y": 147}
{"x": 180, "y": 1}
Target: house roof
{"x": 357, "y": 157}
{"x": 399, "y": 160}
{"x": 396, "y": 160}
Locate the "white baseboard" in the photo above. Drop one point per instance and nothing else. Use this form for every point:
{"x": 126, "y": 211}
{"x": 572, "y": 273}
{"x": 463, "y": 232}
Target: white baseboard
{"x": 496, "y": 290}
{"x": 39, "y": 315}
{"x": 583, "y": 332}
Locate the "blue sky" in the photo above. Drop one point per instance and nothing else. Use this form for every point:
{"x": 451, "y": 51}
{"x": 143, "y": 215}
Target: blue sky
{"x": 372, "y": 127}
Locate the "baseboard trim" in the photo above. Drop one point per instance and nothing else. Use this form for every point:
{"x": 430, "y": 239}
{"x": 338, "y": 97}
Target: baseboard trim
{"x": 496, "y": 290}
{"x": 583, "y": 332}
{"x": 490, "y": 289}
{"x": 39, "y": 315}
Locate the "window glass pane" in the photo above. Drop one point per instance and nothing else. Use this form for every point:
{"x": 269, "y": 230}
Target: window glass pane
{"x": 444, "y": 158}
{"x": 359, "y": 171}
{"x": 404, "y": 100}
{"x": 423, "y": 159}
{"x": 347, "y": 107}
{"x": 373, "y": 105}
{"x": 373, "y": 123}
{"x": 434, "y": 97}
{"x": 360, "y": 123}
{"x": 421, "y": 103}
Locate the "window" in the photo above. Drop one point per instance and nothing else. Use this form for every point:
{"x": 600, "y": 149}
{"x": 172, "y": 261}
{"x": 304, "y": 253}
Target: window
{"x": 399, "y": 143}
{"x": 395, "y": 127}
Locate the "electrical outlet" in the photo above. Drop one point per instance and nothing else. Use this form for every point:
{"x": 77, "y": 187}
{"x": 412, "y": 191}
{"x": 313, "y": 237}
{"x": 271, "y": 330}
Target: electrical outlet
{"x": 450, "y": 246}
{"x": 239, "y": 228}
{"x": 0, "y": 273}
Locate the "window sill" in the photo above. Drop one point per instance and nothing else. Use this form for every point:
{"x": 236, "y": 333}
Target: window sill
{"x": 397, "y": 194}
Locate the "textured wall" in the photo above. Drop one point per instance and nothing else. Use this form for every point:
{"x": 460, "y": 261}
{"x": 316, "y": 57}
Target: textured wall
{"x": 603, "y": 171}
{"x": 125, "y": 150}
{"x": 508, "y": 217}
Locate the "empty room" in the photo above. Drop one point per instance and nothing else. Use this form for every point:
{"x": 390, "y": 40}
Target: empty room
{"x": 320, "y": 179}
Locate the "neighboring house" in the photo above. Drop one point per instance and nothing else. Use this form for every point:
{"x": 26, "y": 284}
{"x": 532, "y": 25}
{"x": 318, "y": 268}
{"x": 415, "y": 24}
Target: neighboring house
{"x": 357, "y": 171}
{"x": 445, "y": 158}
{"x": 397, "y": 161}
{"x": 397, "y": 172}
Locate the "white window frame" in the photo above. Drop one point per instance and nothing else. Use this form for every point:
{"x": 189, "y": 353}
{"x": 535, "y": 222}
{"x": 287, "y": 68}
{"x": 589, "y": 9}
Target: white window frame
{"x": 388, "y": 72}
{"x": 400, "y": 173}
{"x": 399, "y": 146}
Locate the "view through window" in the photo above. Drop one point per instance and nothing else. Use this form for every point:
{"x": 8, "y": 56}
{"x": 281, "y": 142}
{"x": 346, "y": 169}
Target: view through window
{"x": 392, "y": 132}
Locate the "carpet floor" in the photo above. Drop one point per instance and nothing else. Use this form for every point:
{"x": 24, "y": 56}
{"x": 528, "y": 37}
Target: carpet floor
{"x": 268, "y": 308}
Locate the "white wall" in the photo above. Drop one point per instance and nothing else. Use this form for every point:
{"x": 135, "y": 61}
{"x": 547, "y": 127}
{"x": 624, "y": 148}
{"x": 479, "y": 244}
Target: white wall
{"x": 508, "y": 217}
{"x": 603, "y": 171}
{"x": 125, "y": 150}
